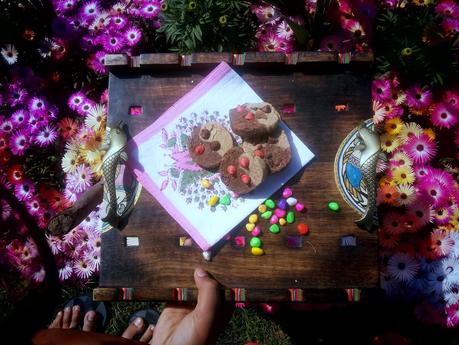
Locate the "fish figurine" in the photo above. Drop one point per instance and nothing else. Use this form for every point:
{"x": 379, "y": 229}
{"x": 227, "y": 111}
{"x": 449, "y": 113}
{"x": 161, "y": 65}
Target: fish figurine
{"x": 114, "y": 155}
{"x": 370, "y": 149}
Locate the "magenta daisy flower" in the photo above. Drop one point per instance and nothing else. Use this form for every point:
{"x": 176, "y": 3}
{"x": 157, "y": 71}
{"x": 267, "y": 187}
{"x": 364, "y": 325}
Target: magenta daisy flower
{"x": 381, "y": 90}
{"x": 451, "y": 98}
{"x": 118, "y": 22}
{"x": 442, "y": 176}
{"x": 76, "y": 100}
{"x": 133, "y": 35}
{"x": 421, "y": 210}
{"x": 113, "y": 42}
{"x": 442, "y": 215}
{"x": 271, "y": 43}
{"x": 433, "y": 192}
{"x": 4, "y": 142}
{"x": 19, "y": 142}
{"x": 20, "y": 117}
{"x": 16, "y": 95}
{"x": 66, "y": 270}
{"x": 450, "y": 26}
{"x": 90, "y": 9}
{"x": 82, "y": 268}
{"x": 418, "y": 98}
{"x": 93, "y": 259}
{"x": 448, "y": 8}
{"x": 52, "y": 112}
{"x": 422, "y": 171}
{"x": 150, "y": 9}
{"x": 96, "y": 62}
{"x": 265, "y": 13}
{"x": 452, "y": 318}
{"x": 85, "y": 107}
{"x": 420, "y": 148}
{"x": 24, "y": 189}
{"x": 403, "y": 267}
{"x": 37, "y": 103}
{"x": 39, "y": 276}
{"x": 33, "y": 206}
{"x": 5, "y": 209}
{"x": 47, "y": 135}
{"x": 65, "y": 5}
{"x": 55, "y": 243}
{"x": 81, "y": 178}
{"x": 442, "y": 117}
{"x": 7, "y": 127}
{"x": 391, "y": 110}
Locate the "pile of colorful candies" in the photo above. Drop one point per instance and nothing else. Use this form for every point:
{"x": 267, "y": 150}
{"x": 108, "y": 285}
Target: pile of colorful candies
{"x": 278, "y": 215}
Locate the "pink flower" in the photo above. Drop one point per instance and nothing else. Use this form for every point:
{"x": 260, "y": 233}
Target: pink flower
{"x": 418, "y": 98}
{"x": 113, "y": 42}
{"x": 442, "y": 117}
{"x": 391, "y": 110}
{"x": 76, "y": 100}
{"x": 85, "y": 107}
{"x": 5, "y": 209}
{"x": 433, "y": 192}
{"x": 450, "y": 26}
{"x": 442, "y": 244}
{"x": 33, "y": 206}
{"x": 19, "y": 142}
{"x": 90, "y": 9}
{"x": 93, "y": 259}
{"x": 420, "y": 148}
{"x": 24, "y": 189}
{"x": 265, "y": 13}
{"x": 7, "y": 127}
{"x": 393, "y": 223}
{"x": 118, "y": 22}
{"x": 272, "y": 43}
{"x": 150, "y": 9}
{"x": 381, "y": 90}
{"x": 421, "y": 210}
{"x": 353, "y": 26}
{"x": 82, "y": 268}
{"x": 452, "y": 313}
{"x": 451, "y": 98}
{"x": 46, "y": 136}
{"x": 448, "y": 8}
{"x": 96, "y": 62}
{"x": 36, "y": 103}
{"x": 20, "y": 117}
{"x": 133, "y": 35}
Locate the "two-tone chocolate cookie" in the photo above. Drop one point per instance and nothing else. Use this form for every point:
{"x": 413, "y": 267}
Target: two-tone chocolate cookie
{"x": 241, "y": 171}
{"x": 209, "y": 143}
{"x": 275, "y": 150}
{"x": 254, "y": 120}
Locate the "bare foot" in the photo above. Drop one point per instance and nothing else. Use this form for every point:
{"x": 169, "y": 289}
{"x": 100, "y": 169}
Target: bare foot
{"x": 70, "y": 318}
{"x": 138, "y": 328}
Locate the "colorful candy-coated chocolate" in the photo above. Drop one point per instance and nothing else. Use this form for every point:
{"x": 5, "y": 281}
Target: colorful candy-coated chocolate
{"x": 213, "y": 200}
{"x": 299, "y": 207}
{"x": 231, "y": 169}
{"x": 249, "y": 116}
{"x": 199, "y": 150}
{"x": 290, "y": 217}
{"x": 282, "y": 221}
{"x": 250, "y": 226}
{"x": 255, "y": 242}
{"x": 262, "y": 208}
{"x": 244, "y": 162}
{"x": 270, "y": 203}
{"x": 253, "y": 218}
{"x": 239, "y": 241}
{"x": 274, "y": 219}
{"x": 287, "y": 193}
{"x": 259, "y": 153}
{"x": 267, "y": 214}
{"x": 280, "y": 212}
{"x": 245, "y": 179}
{"x": 257, "y": 251}
{"x": 303, "y": 229}
{"x": 256, "y": 231}
{"x": 205, "y": 183}
{"x": 274, "y": 228}
{"x": 225, "y": 200}
{"x": 282, "y": 204}
{"x": 334, "y": 206}
{"x": 291, "y": 201}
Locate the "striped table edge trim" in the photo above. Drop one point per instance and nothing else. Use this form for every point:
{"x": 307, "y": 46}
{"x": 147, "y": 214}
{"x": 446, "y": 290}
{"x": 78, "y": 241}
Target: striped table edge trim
{"x": 353, "y": 295}
{"x": 239, "y": 59}
{"x": 296, "y": 295}
{"x": 127, "y": 294}
{"x": 344, "y": 58}
{"x": 181, "y": 294}
{"x": 185, "y": 60}
{"x": 239, "y": 294}
{"x": 291, "y": 58}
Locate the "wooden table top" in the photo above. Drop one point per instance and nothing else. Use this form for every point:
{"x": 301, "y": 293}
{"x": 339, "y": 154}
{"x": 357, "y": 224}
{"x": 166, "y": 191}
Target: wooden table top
{"x": 160, "y": 269}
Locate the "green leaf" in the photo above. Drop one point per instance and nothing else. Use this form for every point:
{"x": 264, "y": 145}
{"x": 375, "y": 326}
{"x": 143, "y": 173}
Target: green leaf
{"x": 171, "y": 142}
{"x": 175, "y": 173}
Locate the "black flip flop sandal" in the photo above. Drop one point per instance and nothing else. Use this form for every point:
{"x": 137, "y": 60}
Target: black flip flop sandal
{"x": 87, "y": 304}
{"x": 149, "y": 315}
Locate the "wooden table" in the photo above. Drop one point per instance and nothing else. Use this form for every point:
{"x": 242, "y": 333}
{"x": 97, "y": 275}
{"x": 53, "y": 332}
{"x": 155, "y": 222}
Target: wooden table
{"x": 160, "y": 269}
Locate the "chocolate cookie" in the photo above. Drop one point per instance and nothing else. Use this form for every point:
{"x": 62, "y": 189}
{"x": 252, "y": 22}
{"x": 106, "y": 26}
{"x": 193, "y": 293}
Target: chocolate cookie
{"x": 208, "y": 143}
{"x": 252, "y": 120}
{"x": 275, "y": 150}
{"x": 242, "y": 172}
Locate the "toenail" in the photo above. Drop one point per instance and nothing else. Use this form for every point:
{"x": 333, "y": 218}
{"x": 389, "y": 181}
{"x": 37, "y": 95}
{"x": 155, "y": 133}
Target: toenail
{"x": 67, "y": 309}
{"x": 152, "y": 327}
{"x": 76, "y": 307}
{"x": 59, "y": 313}
{"x": 138, "y": 322}
{"x": 91, "y": 316}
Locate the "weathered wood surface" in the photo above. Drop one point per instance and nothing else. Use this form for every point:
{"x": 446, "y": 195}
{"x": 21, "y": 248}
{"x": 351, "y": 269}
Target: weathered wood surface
{"x": 160, "y": 264}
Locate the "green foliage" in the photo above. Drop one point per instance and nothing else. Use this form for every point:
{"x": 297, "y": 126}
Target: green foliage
{"x": 411, "y": 42}
{"x": 207, "y": 25}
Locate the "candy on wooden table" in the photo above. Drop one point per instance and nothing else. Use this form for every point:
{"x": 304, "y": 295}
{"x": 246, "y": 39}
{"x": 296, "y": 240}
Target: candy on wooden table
{"x": 287, "y": 193}
{"x": 257, "y": 251}
{"x": 250, "y": 226}
{"x": 291, "y": 201}
{"x": 274, "y": 219}
{"x": 199, "y": 150}
{"x": 294, "y": 241}
{"x": 282, "y": 221}
{"x": 334, "y": 206}
{"x": 267, "y": 214}
{"x": 256, "y": 231}
{"x": 299, "y": 207}
{"x": 245, "y": 179}
{"x": 205, "y": 183}
{"x": 239, "y": 241}
{"x": 231, "y": 169}
{"x": 253, "y": 218}
{"x": 280, "y": 212}
{"x": 274, "y": 228}
{"x": 290, "y": 217}
{"x": 249, "y": 116}
{"x": 244, "y": 162}
{"x": 225, "y": 200}
{"x": 303, "y": 229}
{"x": 259, "y": 153}
{"x": 255, "y": 242}
{"x": 282, "y": 204}
{"x": 213, "y": 200}
{"x": 262, "y": 208}
{"x": 270, "y": 203}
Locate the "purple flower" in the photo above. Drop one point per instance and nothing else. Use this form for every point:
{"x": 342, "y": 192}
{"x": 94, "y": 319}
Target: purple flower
{"x": 24, "y": 190}
{"x": 418, "y": 98}
{"x": 448, "y": 8}
{"x": 90, "y": 9}
{"x": 118, "y": 22}
{"x": 381, "y": 90}
{"x": 47, "y": 135}
{"x": 113, "y": 42}
{"x": 6, "y": 126}
{"x": 76, "y": 100}
{"x": 265, "y": 13}
{"x": 16, "y": 95}
{"x": 133, "y": 35}
{"x": 96, "y": 62}
{"x": 78, "y": 22}
{"x": 19, "y": 142}
{"x": 85, "y": 107}
{"x": 33, "y": 206}
{"x": 37, "y": 103}
{"x": 20, "y": 117}
{"x": 65, "y": 6}
{"x": 442, "y": 117}
{"x": 450, "y": 26}
{"x": 451, "y": 98}
{"x": 52, "y": 112}
{"x": 150, "y": 10}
